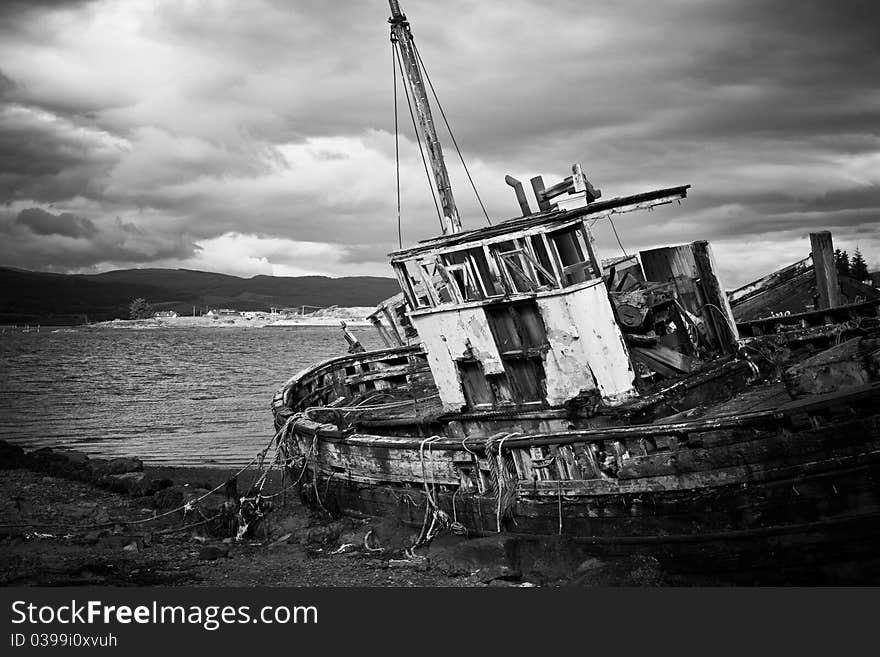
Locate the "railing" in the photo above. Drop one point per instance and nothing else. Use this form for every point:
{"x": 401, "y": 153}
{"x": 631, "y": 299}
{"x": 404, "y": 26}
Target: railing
{"x": 400, "y": 371}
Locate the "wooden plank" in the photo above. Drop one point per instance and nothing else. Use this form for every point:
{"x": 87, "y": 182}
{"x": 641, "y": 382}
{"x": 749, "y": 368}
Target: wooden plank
{"x": 825, "y": 269}
{"x": 664, "y": 360}
{"x": 732, "y": 475}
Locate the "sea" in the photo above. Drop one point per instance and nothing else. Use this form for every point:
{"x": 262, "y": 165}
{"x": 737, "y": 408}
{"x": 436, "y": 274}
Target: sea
{"x": 170, "y": 396}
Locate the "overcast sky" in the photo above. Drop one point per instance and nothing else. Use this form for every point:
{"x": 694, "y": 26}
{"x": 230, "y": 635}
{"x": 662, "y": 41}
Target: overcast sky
{"x": 257, "y": 137}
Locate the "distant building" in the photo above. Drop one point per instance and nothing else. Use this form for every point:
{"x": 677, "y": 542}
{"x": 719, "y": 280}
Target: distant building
{"x": 164, "y": 314}
{"x": 222, "y": 312}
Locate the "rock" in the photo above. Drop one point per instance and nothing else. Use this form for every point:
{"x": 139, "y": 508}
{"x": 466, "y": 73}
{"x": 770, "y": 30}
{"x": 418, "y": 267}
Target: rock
{"x": 135, "y": 484}
{"x": 73, "y": 456}
{"x": 456, "y": 555}
{"x": 294, "y": 525}
{"x": 11, "y": 456}
{"x": 322, "y": 534}
{"x": 116, "y": 466}
{"x": 170, "y": 497}
{"x": 212, "y": 552}
{"x": 73, "y": 511}
{"x": 498, "y": 573}
{"x": 390, "y": 534}
{"x": 280, "y": 541}
{"x": 92, "y": 537}
{"x": 66, "y": 463}
{"x": 132, "y": 547}
{"x": 588, "y": 565}
{"x": 210, "y": 505}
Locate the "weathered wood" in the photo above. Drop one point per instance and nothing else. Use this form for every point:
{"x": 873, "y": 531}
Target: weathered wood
{"x": 825, "y": 269}
{"x": 520, "y": 195}
{"x": 551, "y": 220}
{"x": 765, "y": 283}
{"x": 715, "y": 300}
{"x": 538, "y": 187}
{"x": 402, "y": 37}
{"x": 664, "y": 360}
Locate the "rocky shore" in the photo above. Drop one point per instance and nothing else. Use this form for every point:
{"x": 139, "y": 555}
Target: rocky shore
{"x": 67, "y": 519}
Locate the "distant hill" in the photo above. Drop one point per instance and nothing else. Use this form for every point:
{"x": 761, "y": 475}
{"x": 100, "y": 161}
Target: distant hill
{"x": 41, "y": 297}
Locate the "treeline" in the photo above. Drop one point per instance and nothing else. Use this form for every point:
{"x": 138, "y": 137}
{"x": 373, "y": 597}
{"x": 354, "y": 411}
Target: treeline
{"x": 855, "y": 267}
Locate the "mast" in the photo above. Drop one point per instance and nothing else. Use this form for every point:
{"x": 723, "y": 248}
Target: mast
{"x": 402, "y": 36}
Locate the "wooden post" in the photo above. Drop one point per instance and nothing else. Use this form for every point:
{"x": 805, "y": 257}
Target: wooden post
{"x": 393, "y": 324}
{"x": 715, "y": 297}
{"x": 383, "y": 333}
{"x": 538, "y": 187}
{"x": 826, "y": 272}
{"x": 520, "y": 195}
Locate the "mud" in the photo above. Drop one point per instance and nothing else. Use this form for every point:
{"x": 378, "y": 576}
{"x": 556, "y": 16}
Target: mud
{"x": 72, "y": 528}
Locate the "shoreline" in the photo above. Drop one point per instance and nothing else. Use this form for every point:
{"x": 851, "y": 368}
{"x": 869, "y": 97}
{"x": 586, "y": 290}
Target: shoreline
{"x": 354, "y": 317}
{"x": 225, "y": 322}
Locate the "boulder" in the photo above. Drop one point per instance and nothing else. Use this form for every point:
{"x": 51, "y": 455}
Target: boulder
{"x": 457, "y": 555}
{"x": 210, "y": 505}
{"x": 117, "y": 466}
{"x": 66, "y": 463}
{"x": 170, "y": 497}
{"x": 212, "y": 552}
{"x": 11, "y": 456}
{"x": 134, "y": 484}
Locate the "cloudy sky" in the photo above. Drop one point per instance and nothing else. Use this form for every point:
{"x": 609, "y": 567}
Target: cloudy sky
{"x": 256, "y": 137}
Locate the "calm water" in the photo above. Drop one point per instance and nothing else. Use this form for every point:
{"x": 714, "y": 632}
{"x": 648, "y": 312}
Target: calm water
{"x": 172, "y": 396}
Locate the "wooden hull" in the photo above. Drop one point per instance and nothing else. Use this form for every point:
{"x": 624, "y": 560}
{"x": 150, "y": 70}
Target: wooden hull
{"x": 788, "y": 494}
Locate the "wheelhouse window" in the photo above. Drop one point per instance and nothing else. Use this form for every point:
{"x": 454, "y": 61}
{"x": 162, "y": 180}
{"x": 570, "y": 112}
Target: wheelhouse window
{"x": 521, "y": 266}
{"x": 575, "y": 255}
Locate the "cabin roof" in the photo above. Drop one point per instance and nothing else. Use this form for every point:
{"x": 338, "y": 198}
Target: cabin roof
{"x": 615, "y": 205}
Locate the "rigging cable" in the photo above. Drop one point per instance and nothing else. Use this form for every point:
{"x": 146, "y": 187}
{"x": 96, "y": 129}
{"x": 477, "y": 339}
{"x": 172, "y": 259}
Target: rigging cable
{"x": 619, "y": 243}
{"x": 396, "y": 145}
{"x": 449, "y": 129}
{"x": 418, "y": 139}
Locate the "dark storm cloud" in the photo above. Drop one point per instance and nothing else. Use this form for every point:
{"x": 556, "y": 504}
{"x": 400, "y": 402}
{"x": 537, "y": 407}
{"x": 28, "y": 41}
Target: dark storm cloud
{"x": 63, "y": 242}
{"x": 272, "y": 119}
{"x": 41, "y": 222}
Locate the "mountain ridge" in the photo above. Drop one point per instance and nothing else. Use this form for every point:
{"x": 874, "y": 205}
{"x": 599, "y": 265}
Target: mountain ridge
{"x": 49, "y": 297}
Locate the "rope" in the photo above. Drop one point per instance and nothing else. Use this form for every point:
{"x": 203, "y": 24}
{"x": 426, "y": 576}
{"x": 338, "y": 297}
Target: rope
{"x": 419, "y": 140}
{"x": 191, "y": 504}
{"x": 449, "y": 129}
{"x": 396, "y": 144}
{"x": 505, "y": 487}
{"x": 619, "y": 243}
{"x": 186, "y": 507}
{"x": 439, "y": 519}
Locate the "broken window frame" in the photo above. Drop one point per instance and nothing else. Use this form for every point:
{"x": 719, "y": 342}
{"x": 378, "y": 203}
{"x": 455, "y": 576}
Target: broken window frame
{"x": 467, "y": 267}
{"x": 415, "y": 288}
{"x": 587, "y": 265}
{"x": 521, "y": 263}
{"x": 439, "y": 282}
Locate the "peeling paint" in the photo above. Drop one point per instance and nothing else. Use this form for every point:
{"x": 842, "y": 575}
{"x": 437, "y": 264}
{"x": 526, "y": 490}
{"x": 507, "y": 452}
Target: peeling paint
{"x": 453, "y": 334}
{"x": 588, "y": 351}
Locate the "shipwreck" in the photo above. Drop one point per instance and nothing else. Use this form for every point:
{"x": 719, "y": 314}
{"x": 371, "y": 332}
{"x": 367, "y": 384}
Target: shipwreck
{"x": 628, "y": 405}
